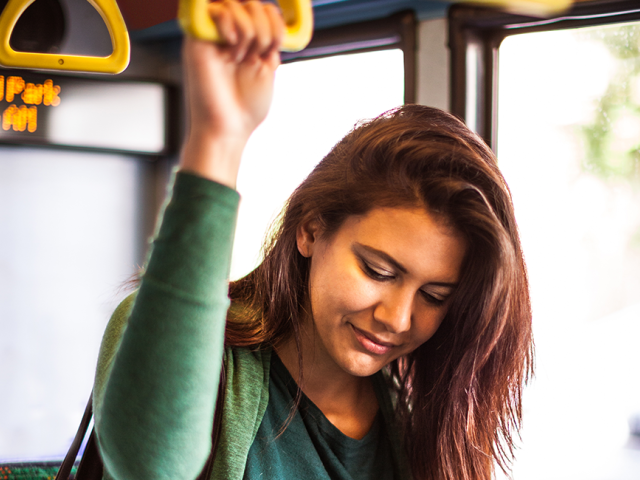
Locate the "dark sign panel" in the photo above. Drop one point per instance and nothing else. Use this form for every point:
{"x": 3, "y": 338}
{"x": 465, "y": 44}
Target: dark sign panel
{"x": 20, "y": 101}
{"x": 55, "y": 110}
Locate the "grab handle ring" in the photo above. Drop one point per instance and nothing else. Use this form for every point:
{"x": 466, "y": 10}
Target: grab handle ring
{"x": 298, "y": 17}
{"x": 114, "y": 63}
{"x": 534, "y": 8}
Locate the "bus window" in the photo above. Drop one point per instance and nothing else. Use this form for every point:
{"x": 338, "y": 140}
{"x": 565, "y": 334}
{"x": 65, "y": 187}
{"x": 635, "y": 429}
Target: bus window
{"x": 315, "y": 103}
{"x": 70, "y": 236}
{"x": 568, "y": 142}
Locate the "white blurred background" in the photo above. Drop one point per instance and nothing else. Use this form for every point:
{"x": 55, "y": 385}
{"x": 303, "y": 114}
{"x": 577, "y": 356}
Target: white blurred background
{"x": 568, "y": 139}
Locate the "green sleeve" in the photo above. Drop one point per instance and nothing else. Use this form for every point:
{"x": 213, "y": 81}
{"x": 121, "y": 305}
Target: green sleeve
{"x": 160, "y": 360}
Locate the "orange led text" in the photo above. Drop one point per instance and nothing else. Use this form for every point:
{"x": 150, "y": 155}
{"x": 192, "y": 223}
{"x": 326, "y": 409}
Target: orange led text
{"x": 23, "y": 118}
{"x": 20, "y": 118}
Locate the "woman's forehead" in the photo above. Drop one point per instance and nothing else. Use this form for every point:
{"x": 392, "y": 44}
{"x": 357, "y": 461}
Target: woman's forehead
{"x": 389, "y": 222}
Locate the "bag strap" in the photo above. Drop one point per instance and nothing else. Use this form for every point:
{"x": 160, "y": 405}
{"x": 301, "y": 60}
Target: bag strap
{"x": 69, "y": 460}
{"x": 90, "y": 467}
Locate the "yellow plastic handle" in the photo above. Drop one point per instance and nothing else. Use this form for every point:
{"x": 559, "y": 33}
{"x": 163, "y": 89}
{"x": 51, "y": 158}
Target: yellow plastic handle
{"x": 298, "y": 17}
{"x": 114, "y": 63}
{"x": 536, "y": 8}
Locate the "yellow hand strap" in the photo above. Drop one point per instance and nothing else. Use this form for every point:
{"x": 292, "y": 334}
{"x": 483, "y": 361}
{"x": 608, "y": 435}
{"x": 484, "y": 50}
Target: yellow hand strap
{"x": 536, "y": 8}
{"x": 114, "y": 63}
{"x": 298, "y": 17}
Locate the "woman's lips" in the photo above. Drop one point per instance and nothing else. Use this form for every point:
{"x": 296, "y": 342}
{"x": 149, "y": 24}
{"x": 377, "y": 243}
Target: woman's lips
{"x": 370, "y": 343}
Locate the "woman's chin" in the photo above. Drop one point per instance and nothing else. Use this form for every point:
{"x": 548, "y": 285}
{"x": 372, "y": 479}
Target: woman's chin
{"x": 362, "y": 365}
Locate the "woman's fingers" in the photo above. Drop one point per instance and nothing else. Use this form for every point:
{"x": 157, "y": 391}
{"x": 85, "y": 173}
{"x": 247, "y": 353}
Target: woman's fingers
{"x": 224, "y": 21}
{"x": 277, "y": 25}
{"x": 244, "y": 27}
{"x": 262, "y": 28}
{"x": 248, "y": 29}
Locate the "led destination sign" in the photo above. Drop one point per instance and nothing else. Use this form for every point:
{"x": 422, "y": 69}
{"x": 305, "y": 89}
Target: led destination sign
{"x": 20, "y": 118}
{"x": 76, "y": 112}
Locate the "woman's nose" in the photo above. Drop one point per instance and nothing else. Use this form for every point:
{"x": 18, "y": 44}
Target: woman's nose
{"x": 394, "y": 311}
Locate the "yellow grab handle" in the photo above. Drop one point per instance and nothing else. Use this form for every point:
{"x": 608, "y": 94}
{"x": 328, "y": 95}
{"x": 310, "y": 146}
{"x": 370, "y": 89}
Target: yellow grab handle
{"x": 298, "y": 17}
{"x": 536, "y": 8}
{"x": 114, "y": 63}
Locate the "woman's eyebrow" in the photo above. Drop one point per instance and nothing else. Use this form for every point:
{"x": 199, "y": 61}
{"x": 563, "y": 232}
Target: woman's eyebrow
{"x": 383, "y": 255}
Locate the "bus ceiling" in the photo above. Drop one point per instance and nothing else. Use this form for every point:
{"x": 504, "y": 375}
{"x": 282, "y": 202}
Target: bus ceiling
{"x": 31, "y": 30}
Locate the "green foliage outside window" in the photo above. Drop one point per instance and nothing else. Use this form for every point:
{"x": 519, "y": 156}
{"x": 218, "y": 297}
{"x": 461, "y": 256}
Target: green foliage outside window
{"x": 612, "y": 140}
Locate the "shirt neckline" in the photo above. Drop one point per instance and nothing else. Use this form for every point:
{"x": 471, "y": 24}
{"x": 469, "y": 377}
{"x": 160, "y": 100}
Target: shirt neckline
{"x": 310, "y": 409}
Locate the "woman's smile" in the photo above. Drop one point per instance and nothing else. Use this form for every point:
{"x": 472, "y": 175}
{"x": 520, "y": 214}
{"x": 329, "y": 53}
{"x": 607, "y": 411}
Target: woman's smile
{"x": 371, "y": 343}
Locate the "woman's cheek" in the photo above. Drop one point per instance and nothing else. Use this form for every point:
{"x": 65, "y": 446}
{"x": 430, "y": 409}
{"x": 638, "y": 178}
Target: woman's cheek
{"x": 360, "y": 291}
{"x": 428, "y": 326}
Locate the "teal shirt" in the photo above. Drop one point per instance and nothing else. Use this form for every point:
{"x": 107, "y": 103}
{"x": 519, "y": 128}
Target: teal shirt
{"x": 160, "y": 359}
{"x": 312, "y": 447}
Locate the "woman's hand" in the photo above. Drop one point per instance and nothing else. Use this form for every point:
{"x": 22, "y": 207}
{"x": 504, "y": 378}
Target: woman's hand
{"x": 229, "y": 86}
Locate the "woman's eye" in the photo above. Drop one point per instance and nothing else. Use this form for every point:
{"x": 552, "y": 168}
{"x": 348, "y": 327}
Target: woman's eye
{"x": 437, "y": 301}
{"x": 376, "y": 274}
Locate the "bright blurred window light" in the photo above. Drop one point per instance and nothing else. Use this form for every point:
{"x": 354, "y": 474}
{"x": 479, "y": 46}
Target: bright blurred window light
{"x": 569, "y": 146}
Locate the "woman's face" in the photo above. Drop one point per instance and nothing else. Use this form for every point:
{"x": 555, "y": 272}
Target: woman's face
{"x": 379, "y": 286}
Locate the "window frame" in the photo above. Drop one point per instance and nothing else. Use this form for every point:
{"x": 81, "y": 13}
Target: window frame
{"x": 395, "y": 31}
{"x": 475, "y": 36}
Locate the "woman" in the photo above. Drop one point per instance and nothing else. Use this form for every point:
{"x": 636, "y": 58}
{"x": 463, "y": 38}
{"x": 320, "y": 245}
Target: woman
{"x": 387, "y": 333}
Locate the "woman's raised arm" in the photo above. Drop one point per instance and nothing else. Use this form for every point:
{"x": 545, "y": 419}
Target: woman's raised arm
{"x": 229, "y": 88}
{"x": 156, "y": 384}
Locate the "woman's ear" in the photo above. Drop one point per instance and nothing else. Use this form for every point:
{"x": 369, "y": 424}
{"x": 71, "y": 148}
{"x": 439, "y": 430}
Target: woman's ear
{"x": 307, "y": 236}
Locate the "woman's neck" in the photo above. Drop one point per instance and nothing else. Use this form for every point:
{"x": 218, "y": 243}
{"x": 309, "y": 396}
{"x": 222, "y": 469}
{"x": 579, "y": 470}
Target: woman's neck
{"x": 349, "y": 402}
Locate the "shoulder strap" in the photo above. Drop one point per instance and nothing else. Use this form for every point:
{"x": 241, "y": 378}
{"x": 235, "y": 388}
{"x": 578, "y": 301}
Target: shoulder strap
{"x": 69, "y": 460}
{"x": 90, "y": 467}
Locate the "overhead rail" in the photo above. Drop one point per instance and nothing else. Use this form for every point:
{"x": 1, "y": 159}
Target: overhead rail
{"x": 194, "y": 20}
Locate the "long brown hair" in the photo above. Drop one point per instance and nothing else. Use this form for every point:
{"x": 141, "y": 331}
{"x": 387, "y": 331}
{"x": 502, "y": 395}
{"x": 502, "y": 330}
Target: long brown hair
{"x": 459, "y": 394}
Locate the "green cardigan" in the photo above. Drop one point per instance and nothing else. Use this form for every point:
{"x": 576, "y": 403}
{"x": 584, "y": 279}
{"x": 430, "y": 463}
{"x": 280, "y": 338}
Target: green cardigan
{"x": 246, "y": 395}
{"x": 158, "y": 369}
{"x": 246, "y": 399}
